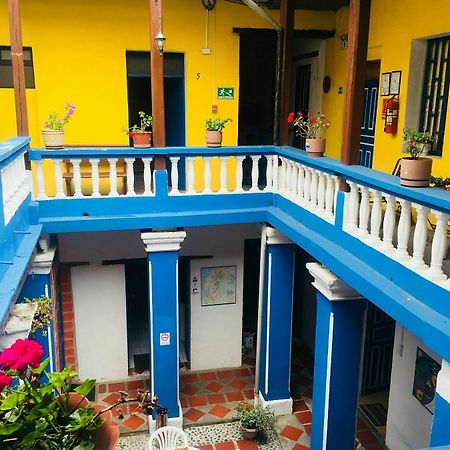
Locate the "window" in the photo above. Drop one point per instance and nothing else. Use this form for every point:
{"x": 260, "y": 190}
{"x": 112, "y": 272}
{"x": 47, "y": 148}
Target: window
{"x": 6, "y": 76}
{"x": 435, "y": 91}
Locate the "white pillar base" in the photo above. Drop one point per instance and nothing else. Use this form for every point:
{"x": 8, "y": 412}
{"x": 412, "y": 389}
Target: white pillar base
{"x": 278, "y": 407}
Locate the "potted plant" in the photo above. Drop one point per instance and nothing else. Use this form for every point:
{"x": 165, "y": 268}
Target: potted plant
{"x": 414, "y": 170}
{"x": 254, "y": 419}
{"x": 53, "y": 132}
{"x": 214, "y": 129}
{"x": 313, "y": 128}
{"x": 142, "y": 138}
{"x": 440, "y": 182}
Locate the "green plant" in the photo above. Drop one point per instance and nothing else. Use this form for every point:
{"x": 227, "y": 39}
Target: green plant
{"x": 56, "y": 123}
{"x": 43, "y": 315}
{"x": 254, "y": 417}
{"x": 146, "y": 122}
{"x": 440, "y": 182}
{"x": 309, "y": 126}
{"x": 415, "y": 141}
{"x": 216, "y": 124}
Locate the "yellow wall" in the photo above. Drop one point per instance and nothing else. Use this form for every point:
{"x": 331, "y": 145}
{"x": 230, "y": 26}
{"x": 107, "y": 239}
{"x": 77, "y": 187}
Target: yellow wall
{"x": 79, "y": 56}
{"x": 393, "y": 26}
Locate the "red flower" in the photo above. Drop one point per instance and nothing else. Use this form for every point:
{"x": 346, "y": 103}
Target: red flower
{"x": 313, "y": 120}
{"x": 23, "y": 353}
{"x": 131, "y": 133}
{"x": 5, "y": 380}
{"x": 290, "y": 118}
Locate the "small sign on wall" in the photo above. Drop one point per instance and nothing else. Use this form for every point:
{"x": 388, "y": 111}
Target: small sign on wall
{"x": 164, "y": 338}
{"x": 225, "y": 93}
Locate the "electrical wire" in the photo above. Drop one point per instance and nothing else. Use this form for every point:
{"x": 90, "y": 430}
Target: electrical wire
{"x": 209, "y": 4}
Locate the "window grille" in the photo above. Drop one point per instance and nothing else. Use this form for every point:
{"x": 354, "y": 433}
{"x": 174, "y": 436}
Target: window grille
{"x": 435, "y": 91}
{"x": 6, "y": 75}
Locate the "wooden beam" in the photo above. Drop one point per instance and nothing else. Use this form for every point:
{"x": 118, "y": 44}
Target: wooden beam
{"x": 157, "y": 76}
{"x": 287, "y": 16}
{"x": 358, "y": 34}
{"x": 18, "y": 68}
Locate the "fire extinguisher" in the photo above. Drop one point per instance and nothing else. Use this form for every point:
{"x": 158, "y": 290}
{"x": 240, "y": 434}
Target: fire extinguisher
{"x": 391, "y": 116}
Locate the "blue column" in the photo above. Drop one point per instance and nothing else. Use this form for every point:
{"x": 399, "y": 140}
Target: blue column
{"x": 276, "y": 333}
{"x": 162, "y": 251}
{"x": 340, "y": 319}
{"x": 440, "y": 431}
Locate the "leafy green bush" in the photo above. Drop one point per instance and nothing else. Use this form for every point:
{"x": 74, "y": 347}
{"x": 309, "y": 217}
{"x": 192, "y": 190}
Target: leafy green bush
{"x": 255, "y": 417}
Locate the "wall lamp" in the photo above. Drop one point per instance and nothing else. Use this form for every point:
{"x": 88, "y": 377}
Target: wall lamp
{"x": 160, "y": 38}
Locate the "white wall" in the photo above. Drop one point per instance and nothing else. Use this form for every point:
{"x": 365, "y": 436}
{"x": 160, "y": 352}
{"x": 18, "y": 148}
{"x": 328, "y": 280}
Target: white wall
{"x": 408, "y": 422}
{"x": 100, "y": 321}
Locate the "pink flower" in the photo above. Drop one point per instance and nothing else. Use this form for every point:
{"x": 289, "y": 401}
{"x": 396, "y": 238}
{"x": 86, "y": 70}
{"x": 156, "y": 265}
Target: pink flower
{"x": 23, "y": 353}
{"x": 290, "y": 118}
{"x": 5, "y": 380}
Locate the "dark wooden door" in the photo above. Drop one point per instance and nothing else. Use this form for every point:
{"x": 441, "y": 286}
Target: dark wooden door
{"x": 302, "y": 83}
{"x": 368, "y": 123}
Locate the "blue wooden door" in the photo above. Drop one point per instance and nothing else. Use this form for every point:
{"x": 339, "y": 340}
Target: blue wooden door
{"x": 366, "y": 146}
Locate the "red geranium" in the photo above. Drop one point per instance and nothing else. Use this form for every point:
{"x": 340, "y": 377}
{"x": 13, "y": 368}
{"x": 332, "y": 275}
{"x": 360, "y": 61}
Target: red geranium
{"x": 131, "y": 133}
{"x": 5, "y": 380}
{"x": 23, "y": 353}
{"x": 290, "y": 118}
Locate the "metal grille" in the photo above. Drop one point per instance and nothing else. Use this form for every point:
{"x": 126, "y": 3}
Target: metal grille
{"x": 435, "y": 91}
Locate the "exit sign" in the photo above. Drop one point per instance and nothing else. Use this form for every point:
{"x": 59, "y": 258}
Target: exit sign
{"x": 225, "y": 93}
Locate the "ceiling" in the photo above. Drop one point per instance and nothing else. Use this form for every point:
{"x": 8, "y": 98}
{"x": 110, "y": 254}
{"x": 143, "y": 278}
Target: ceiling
{"x": 317, "y": 5}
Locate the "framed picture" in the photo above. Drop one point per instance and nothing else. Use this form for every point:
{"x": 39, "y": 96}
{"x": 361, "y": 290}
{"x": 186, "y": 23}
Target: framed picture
{"x": 385, "y": 83}
{"x": 218, "y": 285}
{"x": 394, "y": 86}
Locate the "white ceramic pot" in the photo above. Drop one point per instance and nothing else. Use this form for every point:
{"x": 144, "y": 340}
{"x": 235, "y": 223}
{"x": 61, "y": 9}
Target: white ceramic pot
{"x": 53, "y": 138}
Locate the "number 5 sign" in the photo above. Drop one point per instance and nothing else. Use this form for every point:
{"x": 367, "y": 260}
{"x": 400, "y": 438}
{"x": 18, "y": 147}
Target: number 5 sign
{"x": 164, "y": 338}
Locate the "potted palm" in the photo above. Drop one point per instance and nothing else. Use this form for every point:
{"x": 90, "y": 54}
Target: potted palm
{"x": 53, "y": 132}
{"x": 142, "y": 137}
{"x": 414, "y": 170}
{"x": 214, "y": 129}
{"x": 254, "y": 419}
{"x": 312, "y": 127}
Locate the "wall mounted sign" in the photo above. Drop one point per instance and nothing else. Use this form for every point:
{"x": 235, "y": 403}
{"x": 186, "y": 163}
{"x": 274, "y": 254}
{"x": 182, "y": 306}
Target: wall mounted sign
{"x": 218, "y": 285}
{"x": 164, "y": 338}
{"x": 425, "y": 376}
{"x": 225, "y": 93}
{"x": 394, "y": 86}
{"x": 385, "y": 83}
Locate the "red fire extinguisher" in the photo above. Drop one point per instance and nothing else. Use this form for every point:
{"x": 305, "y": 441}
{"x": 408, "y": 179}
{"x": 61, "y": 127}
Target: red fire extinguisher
{"x": 391, "y": 116}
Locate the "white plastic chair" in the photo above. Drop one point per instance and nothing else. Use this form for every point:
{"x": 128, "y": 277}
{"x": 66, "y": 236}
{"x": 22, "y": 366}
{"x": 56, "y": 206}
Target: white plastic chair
{"x": 168, "y": 438}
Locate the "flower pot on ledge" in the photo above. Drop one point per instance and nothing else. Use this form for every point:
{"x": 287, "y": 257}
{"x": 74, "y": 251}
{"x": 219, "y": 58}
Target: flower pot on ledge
{"x": 142, "y": 140}
{"x": 415, "y": 172}
{"x": 53, "y": 139}
{"x": 315, "y": 147}
{"x": 213, "y": 138}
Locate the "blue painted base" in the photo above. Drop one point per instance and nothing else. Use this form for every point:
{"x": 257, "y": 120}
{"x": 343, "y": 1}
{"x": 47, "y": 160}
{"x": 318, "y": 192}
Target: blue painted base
{"x": 440, "y": 432}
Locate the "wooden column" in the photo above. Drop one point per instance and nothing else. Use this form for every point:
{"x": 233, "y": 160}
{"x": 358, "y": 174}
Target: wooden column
{"x": 287, "y": 16}
{"x": 358, "y": 34}
{"x": 18, "y": 68}
{"x": 157, "y": 80}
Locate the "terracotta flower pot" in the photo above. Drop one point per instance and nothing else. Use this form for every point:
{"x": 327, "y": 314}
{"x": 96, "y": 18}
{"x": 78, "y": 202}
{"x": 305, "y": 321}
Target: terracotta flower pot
{"x": 315, "y": 147}
{"x": 249, "y": 434}
{"x": 415, "y": 172}
{"x": 142, "y": 140}
{"x": 53, "y": 138}
{"x": 213, "y": 138}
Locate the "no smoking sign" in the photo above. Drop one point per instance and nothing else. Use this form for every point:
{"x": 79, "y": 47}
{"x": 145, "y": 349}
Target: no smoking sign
{"x": 164, "y": 338}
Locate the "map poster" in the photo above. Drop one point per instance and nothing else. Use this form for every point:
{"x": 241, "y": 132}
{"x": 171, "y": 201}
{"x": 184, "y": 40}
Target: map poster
{"x": 218, "y": 285}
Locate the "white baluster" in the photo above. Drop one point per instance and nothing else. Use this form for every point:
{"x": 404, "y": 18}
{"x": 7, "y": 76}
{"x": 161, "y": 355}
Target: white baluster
{"x": 294, "y": 181}
{"x": 403, "y": 231}
{"x": 439, "y": 247}
{"x": 239, "y": 173}
{"x": 353, "y": 208}
{"x": 255, "y": 171}
{"x": 269, "y": 174}
{"x": 191, "y": 175}
{"x": 113, "y": 177}
{"x": 321, "y": 193}
{"x": 174, "y": 175}
{"x": 40, "y": 180}
{"x": 375, "y": 218}
{"x": 364, "y": 210}
{"x": 223, "y": 175}
{"x": 314, "y": 187}
{"x": 207, "y": 189}
{"x": 283, "y": 174}
{"x": 77, "y": 178}
{"x": 95, "y": 177}
{"x": 389, "y": 224}
{"x": 420, "y": 238}
{"x": 329, "y": 197}
{"x": 130, "y": 177}
{"x": 275, "y": 173}
{"x": 147, "y": 176}
{"x": 287, "y": 190}
{"x": 300, "y": 182}
{"x": 59, "y": 178}
{"x": 307, "y": 186}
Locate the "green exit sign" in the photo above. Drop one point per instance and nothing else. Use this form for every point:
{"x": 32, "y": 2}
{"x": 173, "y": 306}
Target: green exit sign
{"x": 225, "y": 93}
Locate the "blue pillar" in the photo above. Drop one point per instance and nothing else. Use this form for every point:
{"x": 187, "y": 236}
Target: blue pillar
{"x": 340, "y": 319}
{"x": 162, "y": 251}
{"x": 440, "y": 431}
{"x": 276, "y": 333}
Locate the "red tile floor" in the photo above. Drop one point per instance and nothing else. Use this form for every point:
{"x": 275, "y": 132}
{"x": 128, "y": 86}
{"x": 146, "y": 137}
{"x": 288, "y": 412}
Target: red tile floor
{"x": 210, "y": 397}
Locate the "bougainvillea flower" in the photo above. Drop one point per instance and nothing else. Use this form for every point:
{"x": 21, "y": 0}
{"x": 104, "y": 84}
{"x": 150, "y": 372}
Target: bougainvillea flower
{"x": 5, "y": 380}
{"x": 290, "y": 118}
{"x": 23, "y": 353}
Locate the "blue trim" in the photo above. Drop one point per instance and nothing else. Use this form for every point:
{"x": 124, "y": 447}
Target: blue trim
{"x": 10, "y": 149}
{"x": 440, "y": 431}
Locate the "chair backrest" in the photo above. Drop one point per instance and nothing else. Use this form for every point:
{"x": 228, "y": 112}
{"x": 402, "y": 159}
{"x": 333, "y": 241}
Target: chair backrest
{"x": 168, "y": 438}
